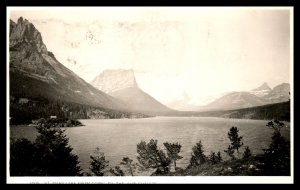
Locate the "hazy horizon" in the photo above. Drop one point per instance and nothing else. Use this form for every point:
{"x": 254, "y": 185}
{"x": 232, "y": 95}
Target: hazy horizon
{"x": 173, "y": 51}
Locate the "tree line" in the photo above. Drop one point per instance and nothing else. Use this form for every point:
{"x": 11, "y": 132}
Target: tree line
{"x": 40, "y": 107}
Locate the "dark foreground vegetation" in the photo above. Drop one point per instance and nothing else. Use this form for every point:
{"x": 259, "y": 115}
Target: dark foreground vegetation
{"x": 48, "y": 155}
{"x": 51, "y": 155}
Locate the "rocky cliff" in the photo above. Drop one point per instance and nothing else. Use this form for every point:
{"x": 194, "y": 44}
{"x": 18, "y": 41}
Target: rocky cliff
{"x": 34, "y": 71}
{"x": 122, "y": 85}
{"x": 113, "y": 80}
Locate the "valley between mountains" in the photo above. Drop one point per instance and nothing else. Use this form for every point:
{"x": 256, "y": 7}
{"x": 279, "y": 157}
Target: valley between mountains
{"x": 149, "y": 92}
{"x": 40, "y": 86}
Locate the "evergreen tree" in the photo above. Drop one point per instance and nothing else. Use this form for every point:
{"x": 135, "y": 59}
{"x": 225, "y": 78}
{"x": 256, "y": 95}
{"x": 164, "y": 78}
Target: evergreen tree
{"x": 48, "y": 155}
{"x": 235, "y": 139}
{"x": 230, "y": 152}
{"x": 277, "y": 156}
{"x": 198, "y": 156}
{"x": 247, "y": 153}
{"x": 98, "y": 163}
{"x": 173, "y": 150}
{"x": 213, "y": 158}
{"x": 219, "y": 156}
{"x": 58, "y": 158}
{"x": 24, "y": 158}
{"x": 150, "y": 156}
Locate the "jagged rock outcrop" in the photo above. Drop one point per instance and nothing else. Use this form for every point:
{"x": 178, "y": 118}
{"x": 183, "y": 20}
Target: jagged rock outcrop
{"x": 34, "y": 71}
{"x": 24, "y": 31}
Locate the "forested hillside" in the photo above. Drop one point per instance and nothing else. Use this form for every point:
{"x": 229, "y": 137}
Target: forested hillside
{"x": 23, "y": 110}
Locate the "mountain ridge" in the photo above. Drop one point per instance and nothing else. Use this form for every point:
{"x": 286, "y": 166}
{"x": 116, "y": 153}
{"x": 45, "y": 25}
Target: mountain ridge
{"x": 262, "y": 95}
{"x": 31, "y": 63}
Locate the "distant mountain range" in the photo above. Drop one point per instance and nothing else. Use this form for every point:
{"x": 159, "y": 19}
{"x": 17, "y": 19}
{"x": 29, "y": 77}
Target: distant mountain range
{"x": 122, "y": 85}
{"x": 259, "y": 96}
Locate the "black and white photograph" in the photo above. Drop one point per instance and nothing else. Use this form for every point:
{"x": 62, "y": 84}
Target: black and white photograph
{"x": 150, "y": 95}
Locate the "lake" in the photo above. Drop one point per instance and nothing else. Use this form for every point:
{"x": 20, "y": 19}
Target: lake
{"x": 118, "y": 138}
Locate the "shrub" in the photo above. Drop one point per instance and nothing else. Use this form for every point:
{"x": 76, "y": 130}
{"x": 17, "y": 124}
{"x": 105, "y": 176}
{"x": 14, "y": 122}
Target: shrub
{"x": 117, "y": 171}
{"x": 130, "y": 165}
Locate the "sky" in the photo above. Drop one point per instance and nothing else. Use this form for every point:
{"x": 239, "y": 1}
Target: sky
{"x": 172, "y": 50}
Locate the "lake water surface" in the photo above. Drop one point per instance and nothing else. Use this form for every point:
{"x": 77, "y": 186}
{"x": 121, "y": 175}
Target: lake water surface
{"x": 118, "y": 138}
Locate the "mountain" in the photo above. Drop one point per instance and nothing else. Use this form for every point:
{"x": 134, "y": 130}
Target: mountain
{"x": 234, "y": 100}
{"x": 114, "y": 80}
{"x": 279, "y": 93}
{"x": 34, "y": 71}
{"x": 262, "y": 90}
{"x": 186, "y": 103}
{"x": 264, "y": 86}
{"x": 182, "y": 103}
{"x": 262, "y": 95}
{"x": 122, "y": 85}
